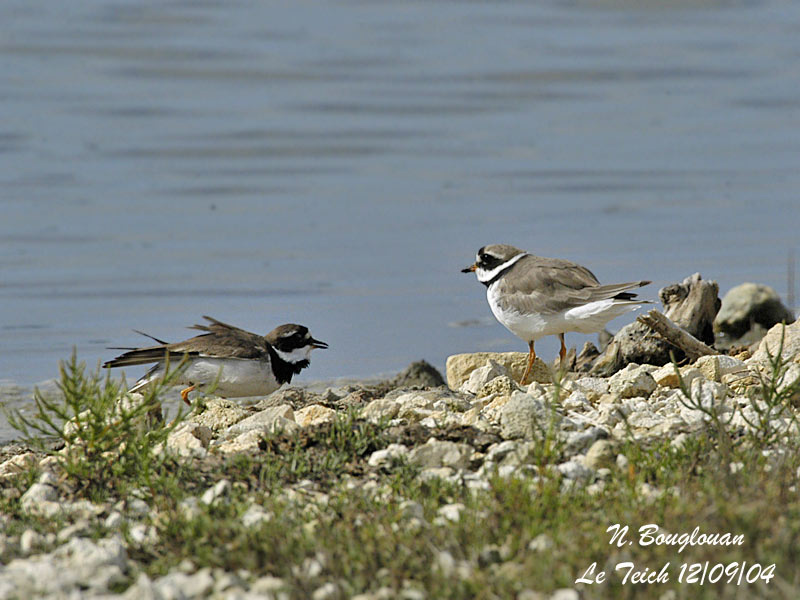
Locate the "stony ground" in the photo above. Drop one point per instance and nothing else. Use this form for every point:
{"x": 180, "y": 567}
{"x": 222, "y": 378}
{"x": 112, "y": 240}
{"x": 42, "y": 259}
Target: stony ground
{"x": 410, "y": 489}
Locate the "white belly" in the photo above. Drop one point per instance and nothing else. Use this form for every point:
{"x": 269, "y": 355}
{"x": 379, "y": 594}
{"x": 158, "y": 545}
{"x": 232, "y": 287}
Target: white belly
{"x": 530, "y": 327}
{"x": 237, "y": 377}
{"x": 233, "y": 377}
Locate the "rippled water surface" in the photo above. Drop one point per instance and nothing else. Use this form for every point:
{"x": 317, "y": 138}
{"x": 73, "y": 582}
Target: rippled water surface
{"x": 336, "y": 164}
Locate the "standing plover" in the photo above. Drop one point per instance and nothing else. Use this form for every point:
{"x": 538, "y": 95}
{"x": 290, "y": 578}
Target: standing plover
{"x": 534, "y": 296}
{"x": 239, "y": 362}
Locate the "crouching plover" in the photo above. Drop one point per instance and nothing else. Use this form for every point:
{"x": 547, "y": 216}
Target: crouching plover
{"x": 239, "y": 362}
{"x": 534, "y": 296}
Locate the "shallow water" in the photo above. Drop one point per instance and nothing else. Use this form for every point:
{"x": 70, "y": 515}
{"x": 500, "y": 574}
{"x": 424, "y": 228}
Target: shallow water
{"x": 337, "y": 164}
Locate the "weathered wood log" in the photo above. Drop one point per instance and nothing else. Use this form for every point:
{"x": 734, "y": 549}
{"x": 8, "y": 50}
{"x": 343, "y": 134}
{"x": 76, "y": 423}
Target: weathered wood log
{"x": 691, "y": 305}
{"x": 678, "y": 337}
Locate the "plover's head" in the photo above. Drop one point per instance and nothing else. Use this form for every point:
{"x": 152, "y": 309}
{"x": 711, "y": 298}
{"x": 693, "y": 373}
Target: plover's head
{"x": 293, "y": 343}
{"x": 492, "y": 260}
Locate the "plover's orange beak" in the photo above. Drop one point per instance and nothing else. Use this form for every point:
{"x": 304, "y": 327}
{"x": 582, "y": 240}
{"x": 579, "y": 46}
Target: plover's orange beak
{"x": 469, "y": 269}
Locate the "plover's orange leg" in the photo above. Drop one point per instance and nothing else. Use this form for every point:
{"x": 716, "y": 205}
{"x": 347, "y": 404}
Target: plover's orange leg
{"x": 531, "y": 360}
{"x": 185, "y": 394}
{"x": 563, "y": 352}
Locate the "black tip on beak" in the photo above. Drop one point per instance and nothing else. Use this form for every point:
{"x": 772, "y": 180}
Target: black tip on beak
{"x": 469, "y": 269}
{"x": 318, "y": 344}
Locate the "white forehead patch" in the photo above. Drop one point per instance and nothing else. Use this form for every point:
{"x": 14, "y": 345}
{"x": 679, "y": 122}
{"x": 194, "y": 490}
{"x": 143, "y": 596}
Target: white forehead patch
{"x": 485, "y": 276}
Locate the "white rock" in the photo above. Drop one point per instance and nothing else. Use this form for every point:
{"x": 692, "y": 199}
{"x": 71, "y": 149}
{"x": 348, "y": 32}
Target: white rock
{"x": 577, "y": 400}
{"x": 17, "y": 464}
{"x": 601, "y": 454}
{"x": 190, "y": 439}
{"x": 48, "y": 478}
{"x": 50, "y": 463}
{"x": 541, "y": 543}
{"x": 460, "y": 366}
{"x": 136, "y": 507}
{"x": 609, "y": 414}
{"x": 142, "y": 533}
{"x": 314, "y": 414}
{"x": 269, "y": 586}
{"x": 772, "y": 343}
{"x": 537, "y": 390}
{"x": 633, "y": 380}
{"x": 388, "y": 455}
{"x": 791, "y": 378}
{"x": 29, "y": 541}
{"x": 645, "y": 420}
{"x": 451, "y": 512}
{"x": 229, "y": 585}
{"x": 574, "y": 469}
{"x": 593, "y": 387}
{"x": 450, "y": 402}
{"x": 268, "y": 420}
{"x": 735, "y": 467}
{"x": 483, "y": 375}
{"x": 708, "y": 393}
{"x": 327, "y": 591}
{"x": 523, "y": 416}
{"x": 443, "y": 419}
{"x": 497, "y": 452}
{"x": 37, "y": 494}
{"x": 523, "y": 454}
{"x": 246, "y": 442}
{"x": 445, "y": 473}
{"x": 410, "y": 593}
{"x": 380, "y": 409}
{"x": 679, "y": 440}
{"x": 142, "y": 589}
{"x": 255, "y": 515}
{"x": 70, "y": 531}
{"x": 190, "y": 507}
{"x": 580, "y": 440}
{"x": 717, "y": 366}
{"x": 667, "y": 377}
{"x": 445, "y": 562}
{"x": 177, "y": 585}
{"x": 415, "y": 406}
{"x": 219, "y": 490}
{"x": 220, "y": 414}
{"x": 79, "y": 568}
{"x": 411, "y": 509}
{"x": 437, "y": 453}
{"x": 649, "y": 492}
{"x": 499, "y": 386}
{"x": 115, "y": 520}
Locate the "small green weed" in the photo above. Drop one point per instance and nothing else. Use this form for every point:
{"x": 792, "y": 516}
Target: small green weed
{"x": 109, "y": 438}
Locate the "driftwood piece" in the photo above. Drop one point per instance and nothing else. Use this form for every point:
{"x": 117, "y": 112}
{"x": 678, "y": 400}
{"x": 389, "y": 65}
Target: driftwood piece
{"x": 686, "y": 342}
{"x": 691, "y": 305}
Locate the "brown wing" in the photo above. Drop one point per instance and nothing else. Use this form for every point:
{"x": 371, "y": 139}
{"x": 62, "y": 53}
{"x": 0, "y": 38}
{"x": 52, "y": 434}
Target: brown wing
{"x": 551, "y": 285}
{"x": 221, "y": 339}
{"x": 224, "y": 340}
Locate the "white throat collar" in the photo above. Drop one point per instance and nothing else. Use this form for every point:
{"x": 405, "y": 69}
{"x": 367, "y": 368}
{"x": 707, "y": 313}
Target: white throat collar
{"x": 296, "y": 355}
